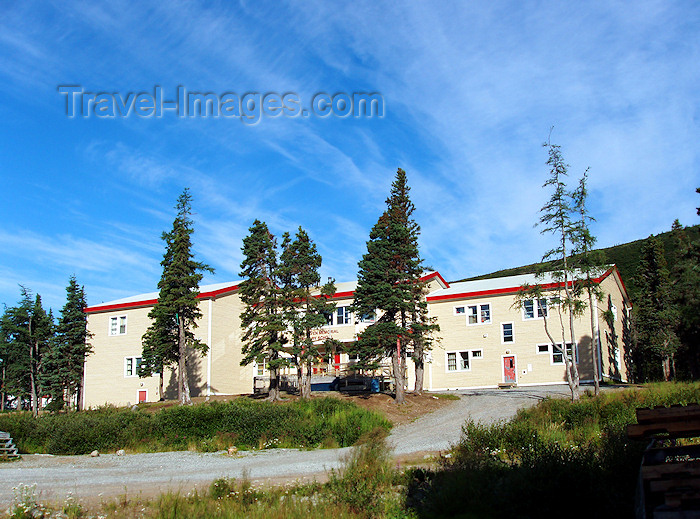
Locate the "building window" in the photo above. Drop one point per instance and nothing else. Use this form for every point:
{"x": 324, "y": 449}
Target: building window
{"x": 507, "y": 332}
{"x": 461, "y": 360}
{"x": 343, "y": 315}
{"x": 117, "y": 325}
{"x": 556, "y": 355}
{"x": 479, "y": 314}
{"x": 460, "y": 310}
{"x": 261, "y": 368}
{"x": 131, "y": 366}
{"x": 367, "y": 318}
{"x": 451, "y": 362}
{"x": 530, "y": 307}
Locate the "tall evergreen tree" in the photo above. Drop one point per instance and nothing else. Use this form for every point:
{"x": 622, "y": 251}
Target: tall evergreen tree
{"x": 655, "y": 316}
{"x": 63, "y": 373}
{"x": 15, "y": 346}
{"x": 389, "y": 280}
{"x": 26, "y": 331}
{"x": 304, "y": 312}
{"x": 589, "y": 265}
{"x": 170, "y": 338}
{"x": 685, "y": 277}
{"x": 263, "y": 317}
{"x": 556, "y": 219}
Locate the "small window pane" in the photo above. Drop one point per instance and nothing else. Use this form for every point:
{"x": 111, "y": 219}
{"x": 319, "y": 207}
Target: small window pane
{"x": 485, "y": 313}
{"x": 464, "y": 360}
{"x": 507, "y": 332}
{"x": 122, "y": 325}
{"x": 476, "y": 354}
{"x": 528, "y": 309}
{"x": 343, "y": 315}
{"x": 542, "y": 308}
{"x": 452, "y": 362}
{"x": 129, "y": 366}
{"x": 472, "y": 315}
{"x": 459, "y": 310}
{"x": 543, "y": 348}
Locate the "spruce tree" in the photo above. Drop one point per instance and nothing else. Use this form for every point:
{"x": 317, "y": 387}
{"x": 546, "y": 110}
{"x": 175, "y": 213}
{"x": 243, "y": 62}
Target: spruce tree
{"x": 304, "y": 312}
{"x": 655, "y": 316}
{"x": 389, "y": 280}
{"x": 170, "y": 338}
{"x": 589, "y": 265}
{"x": 26, "y": 332}
{"x": 15, "y": 344}
{"x": 263, "y": 317}
{"x": 63, "y": 373}
{"x": 686, "y": 298}
{"x": 556, "y": 219}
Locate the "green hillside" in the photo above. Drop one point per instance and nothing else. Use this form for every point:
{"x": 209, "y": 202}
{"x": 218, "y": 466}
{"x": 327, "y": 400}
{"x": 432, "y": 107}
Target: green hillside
{"x": 625, "y": 256}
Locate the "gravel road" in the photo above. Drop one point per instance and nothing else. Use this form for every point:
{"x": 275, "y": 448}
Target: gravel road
{"x": 110, "y": 475}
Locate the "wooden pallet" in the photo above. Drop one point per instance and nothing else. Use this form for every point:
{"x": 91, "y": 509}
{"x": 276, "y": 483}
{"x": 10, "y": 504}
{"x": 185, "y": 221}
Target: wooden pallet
{"x": 669, "y": 485}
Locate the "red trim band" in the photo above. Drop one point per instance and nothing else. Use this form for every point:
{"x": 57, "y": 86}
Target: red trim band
{"x": 150, "y": 302}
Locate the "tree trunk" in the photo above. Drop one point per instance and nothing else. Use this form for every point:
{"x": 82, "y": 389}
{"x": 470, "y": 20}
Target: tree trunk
{"x": 305, "y": 384}
{"x": 594, "y": 345}
{"x": 183, "y": 387}
{"x": 419, "y": 362}
{"x": 397, "y": 366}
{"x": 2, "y": 393}
{"x": 274, "y": 394}
{"x": 186, "y": 386}
{"x": 572, "y": 387}
{"x": 160, "y": 383}
{"x": 666, "y": 367}
{"x": 79, "y": 389}
{"x": 32, "y": 381}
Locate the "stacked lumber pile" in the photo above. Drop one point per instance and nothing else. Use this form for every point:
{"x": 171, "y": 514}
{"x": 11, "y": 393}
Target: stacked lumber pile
{"x": 669, "y": 486}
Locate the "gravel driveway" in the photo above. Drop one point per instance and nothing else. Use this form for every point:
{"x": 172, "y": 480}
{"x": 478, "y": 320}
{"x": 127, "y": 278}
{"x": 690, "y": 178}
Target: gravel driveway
{"x": 110, "y": 475}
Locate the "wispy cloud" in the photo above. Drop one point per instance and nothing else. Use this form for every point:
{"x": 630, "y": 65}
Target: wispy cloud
{"x": 471, "y": 92}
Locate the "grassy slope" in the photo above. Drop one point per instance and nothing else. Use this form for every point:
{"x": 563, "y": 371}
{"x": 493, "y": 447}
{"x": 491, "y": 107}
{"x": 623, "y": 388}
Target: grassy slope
{"x": 625, "y": 256}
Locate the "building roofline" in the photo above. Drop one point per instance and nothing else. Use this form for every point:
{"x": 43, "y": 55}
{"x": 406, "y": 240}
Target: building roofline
{"x": 210, "y": 294}
{"x": 213, "y": 294}
{"x": 513, "y": 290}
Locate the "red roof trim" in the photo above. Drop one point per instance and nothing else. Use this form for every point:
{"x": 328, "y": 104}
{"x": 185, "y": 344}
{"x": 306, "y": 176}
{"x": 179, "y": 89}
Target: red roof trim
{"x": 150, "y": 302}
{"x": 508, "y": 290}
{"x": 435, "y": 274}
{"x": 120, "y": 306}
{"x": 342, "y": 295}
{"x": 216, "y": 293}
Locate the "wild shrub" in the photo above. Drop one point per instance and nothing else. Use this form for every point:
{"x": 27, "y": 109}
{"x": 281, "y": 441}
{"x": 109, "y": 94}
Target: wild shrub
{"x": 366, "y": 478}
{"x": 207, "y": 427}
{"x": 556, "y": 457}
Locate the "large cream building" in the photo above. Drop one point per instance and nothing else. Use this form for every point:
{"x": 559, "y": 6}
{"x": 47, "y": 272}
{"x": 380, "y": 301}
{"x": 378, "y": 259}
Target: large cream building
{"x": 485, "y": 340}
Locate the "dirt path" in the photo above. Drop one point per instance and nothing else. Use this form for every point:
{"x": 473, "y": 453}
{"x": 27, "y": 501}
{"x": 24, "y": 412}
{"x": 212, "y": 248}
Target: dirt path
{"x": 110, "y": 476}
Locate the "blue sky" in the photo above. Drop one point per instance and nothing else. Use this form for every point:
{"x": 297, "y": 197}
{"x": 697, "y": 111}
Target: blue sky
{"x": 470, "y": 90}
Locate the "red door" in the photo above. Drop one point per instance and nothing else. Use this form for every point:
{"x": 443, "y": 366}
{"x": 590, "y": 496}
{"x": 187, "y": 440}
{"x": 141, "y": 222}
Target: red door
{"x": 509, "y": 369}
{"x": 142, "y": 395}
{"x": 336, "y": 361}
